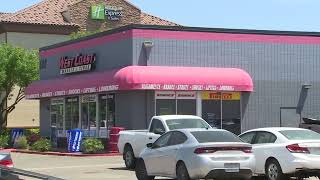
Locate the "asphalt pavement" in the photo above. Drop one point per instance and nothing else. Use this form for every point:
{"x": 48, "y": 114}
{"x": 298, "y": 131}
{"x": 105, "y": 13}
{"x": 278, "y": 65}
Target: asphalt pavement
{"x": 76, "y": 168}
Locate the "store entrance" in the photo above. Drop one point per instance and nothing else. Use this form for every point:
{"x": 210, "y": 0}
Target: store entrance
{"x": 222, "y": 110}
{"x": 72, "y": 113}
{"x": 88, "y": 115}
{"x": 106, "y": 114}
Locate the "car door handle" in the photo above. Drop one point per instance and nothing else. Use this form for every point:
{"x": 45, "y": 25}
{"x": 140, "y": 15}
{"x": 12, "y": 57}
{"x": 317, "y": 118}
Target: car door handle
{"x": 150, "y": 138}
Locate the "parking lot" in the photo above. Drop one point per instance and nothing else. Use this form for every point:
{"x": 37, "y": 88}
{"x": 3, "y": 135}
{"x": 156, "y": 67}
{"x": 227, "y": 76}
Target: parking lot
{"x": 74, "y": 167}
{"x": 92, "y": 168}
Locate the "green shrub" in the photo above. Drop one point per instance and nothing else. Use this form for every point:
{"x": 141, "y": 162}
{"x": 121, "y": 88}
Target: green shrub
{"x": 4, "y": 141}
{"x": 21, "y": 143}
{"x": 91, "y": 146}
{"x": 41, "y": 145}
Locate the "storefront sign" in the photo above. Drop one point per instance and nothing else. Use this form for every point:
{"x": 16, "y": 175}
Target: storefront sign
{"x": 209, "y": 95}
{"x": 74, "y": 92}
{"x": 183, "y": 87}
{"x": 56, "y": 101}
{"x": 77, "y": 64}
{"x": 165, "y": 95}
{"x": 186, "y": 95}
{"x": 101, "y": 12}
{"x": 88, "y": 98}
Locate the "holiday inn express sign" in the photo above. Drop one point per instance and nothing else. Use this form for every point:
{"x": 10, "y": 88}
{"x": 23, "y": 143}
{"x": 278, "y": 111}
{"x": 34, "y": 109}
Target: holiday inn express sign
{"x": 102, "y": 12}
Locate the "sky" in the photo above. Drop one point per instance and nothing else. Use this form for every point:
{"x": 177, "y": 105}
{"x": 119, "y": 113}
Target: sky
{"x": 289, "y": 15}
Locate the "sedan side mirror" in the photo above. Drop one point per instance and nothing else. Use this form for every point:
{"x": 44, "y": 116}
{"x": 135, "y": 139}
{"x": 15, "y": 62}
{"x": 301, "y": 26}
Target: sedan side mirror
{"x": 149, "y": 145}
{"x": 159, "y": 131}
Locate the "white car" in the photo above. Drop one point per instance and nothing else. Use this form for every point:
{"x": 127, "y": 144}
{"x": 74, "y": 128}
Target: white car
{"x": 132, "y": 142}
{"x": 285, "y": 152}
{"x": 196, "y": 154}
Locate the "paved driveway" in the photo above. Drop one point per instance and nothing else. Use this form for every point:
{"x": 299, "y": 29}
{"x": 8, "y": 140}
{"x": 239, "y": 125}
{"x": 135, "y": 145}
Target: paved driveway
{"x": 89, "y": 168}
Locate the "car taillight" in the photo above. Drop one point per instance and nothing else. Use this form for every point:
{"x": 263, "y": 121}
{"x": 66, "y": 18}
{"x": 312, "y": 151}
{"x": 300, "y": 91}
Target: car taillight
{"x": 7, "y": 163}
{"x": 295, "y": 148}
{"x": 206, "y": 150}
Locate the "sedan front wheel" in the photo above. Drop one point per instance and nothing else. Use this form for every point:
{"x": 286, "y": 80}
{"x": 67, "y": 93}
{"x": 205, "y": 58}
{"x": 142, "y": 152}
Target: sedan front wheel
{"x": 182, "y": 172}
{"x": 141, "y": 171}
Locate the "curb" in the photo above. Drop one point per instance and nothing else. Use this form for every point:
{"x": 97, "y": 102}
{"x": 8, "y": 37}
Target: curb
{"x": 64, "y": 154}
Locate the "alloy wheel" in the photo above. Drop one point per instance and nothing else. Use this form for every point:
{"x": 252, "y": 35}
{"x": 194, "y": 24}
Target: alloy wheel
{"x": 273, "y": 171}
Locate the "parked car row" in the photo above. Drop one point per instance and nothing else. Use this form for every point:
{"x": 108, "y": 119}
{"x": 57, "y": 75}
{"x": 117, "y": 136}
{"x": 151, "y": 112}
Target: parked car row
{"x": 190, "y": 149}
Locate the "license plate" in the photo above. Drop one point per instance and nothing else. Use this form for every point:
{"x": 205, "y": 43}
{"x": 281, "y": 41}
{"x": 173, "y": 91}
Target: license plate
{"x": 232, "y": 167}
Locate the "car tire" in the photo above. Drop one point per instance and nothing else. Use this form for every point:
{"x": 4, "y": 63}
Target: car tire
{"x": 128, "y": 157}
{"x": 141, "y": 171}
{"x": 182, "y": 172}
{"x": 273, "y": 170}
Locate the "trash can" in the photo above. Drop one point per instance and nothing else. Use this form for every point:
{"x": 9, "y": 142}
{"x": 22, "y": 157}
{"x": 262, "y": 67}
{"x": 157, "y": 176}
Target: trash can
{"x": 74, "y": 138}
{"x": 15, "y": 134}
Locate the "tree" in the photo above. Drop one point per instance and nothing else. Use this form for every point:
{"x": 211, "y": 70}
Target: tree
{"x": 18, "y": 68}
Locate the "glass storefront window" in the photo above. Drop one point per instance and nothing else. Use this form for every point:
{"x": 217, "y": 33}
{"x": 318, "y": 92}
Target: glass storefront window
{"x": 165, "y": 107}
{"x": 222, "y": 110}
{"x": 72, "y": 113}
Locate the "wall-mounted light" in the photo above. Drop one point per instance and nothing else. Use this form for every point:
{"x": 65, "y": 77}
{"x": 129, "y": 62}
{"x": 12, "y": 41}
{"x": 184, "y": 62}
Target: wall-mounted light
{"x": 148, "y": 44}
{"x": 306, "y": 86}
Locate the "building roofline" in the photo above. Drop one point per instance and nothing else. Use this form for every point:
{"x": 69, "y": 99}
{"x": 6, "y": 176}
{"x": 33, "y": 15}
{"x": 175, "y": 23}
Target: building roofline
{"x": 188, "y": 29}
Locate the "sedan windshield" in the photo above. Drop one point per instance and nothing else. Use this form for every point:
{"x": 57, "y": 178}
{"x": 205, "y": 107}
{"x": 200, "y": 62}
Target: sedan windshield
{"x": 300, "y": 135}
{"x": 186, "y": 124}
{"x": 215, "y": 136}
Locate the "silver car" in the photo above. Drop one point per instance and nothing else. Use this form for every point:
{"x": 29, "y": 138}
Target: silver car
{"x": 196, "y": 154}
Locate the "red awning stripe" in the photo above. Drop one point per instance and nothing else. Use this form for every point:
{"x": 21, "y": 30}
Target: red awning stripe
{"x": 144, "y": 78}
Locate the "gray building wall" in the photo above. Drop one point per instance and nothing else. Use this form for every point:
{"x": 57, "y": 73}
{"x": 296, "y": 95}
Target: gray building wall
{"x": 278, "y": 71}
{"x": 109, "y": 56}
{"x": 132, "y": 111}
{"x": 45, "y": 117}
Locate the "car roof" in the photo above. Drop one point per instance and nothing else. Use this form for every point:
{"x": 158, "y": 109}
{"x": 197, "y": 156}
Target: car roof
{"x": 199, "y": 129}
{"x": 275, "y": 129}
{"x": 169, "y": 117}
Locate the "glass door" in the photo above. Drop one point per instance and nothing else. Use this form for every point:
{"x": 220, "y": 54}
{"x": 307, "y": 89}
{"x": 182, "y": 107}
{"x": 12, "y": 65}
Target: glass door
{"x": 88, "y": 115}
{"x": 57, "y": 115}
{"x": 106, "y": 113}
{"x": 72, "y": 113}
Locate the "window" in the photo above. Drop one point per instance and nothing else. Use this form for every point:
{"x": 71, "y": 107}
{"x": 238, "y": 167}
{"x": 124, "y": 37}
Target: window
{"x": 186, "y": 123}
{"x": 186, "y": 106}
{"x": 165, "y": 106}
{"x": 215, "y": 136}
{"x": 300, "y": 135}
{"x": 248, "y": 137}
{"x": 177, "y": 138}
{"x": 264, "y": 137}
{"x": 156, "y": 126}
{"x": 162, "y": 141}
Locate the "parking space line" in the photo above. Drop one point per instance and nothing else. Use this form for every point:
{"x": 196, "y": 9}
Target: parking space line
{"x": 80, "y": 166}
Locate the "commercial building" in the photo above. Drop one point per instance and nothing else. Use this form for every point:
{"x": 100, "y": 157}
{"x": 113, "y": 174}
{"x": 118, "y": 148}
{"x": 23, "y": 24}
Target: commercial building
{"x": 234, "y": 79}
{"x": 52, "y": 21}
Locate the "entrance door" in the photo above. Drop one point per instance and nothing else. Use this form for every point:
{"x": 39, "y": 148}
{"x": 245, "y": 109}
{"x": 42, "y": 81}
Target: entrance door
{"x": 88, "y": 115}
{"x": 106, "y": 114}
{"x": 57, "y": 116}
{"x": 72, "y": 113}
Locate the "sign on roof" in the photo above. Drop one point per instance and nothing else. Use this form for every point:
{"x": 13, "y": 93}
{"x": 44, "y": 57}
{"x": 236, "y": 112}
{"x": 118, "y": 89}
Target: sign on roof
{"x": 101, "y": 12}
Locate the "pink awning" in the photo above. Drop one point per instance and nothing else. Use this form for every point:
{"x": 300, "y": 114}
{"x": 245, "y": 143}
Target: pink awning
{"x": 144, "y": 78}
